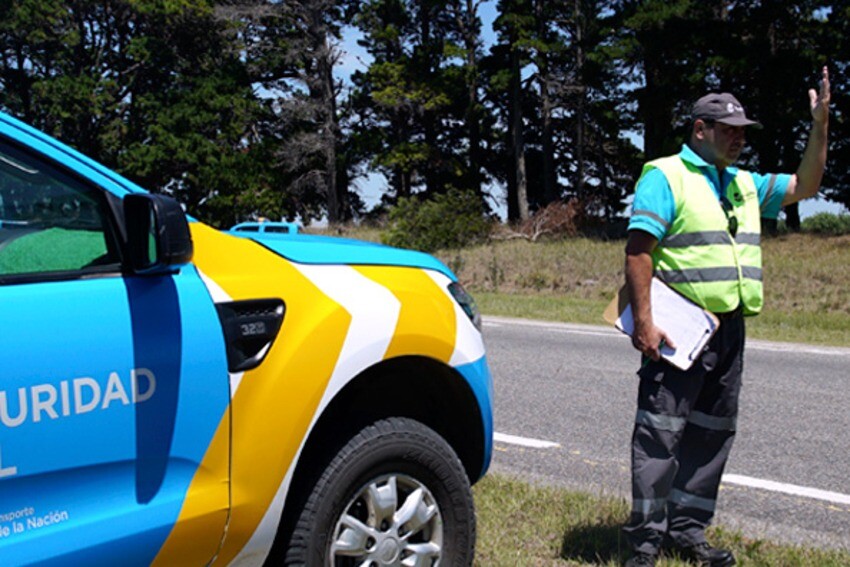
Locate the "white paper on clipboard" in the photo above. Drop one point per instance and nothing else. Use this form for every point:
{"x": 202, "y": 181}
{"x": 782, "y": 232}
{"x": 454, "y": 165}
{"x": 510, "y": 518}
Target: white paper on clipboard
{"x": 686, "y": 323}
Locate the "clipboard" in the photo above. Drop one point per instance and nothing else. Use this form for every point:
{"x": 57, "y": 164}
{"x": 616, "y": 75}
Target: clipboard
{"x": 689, "y": 325}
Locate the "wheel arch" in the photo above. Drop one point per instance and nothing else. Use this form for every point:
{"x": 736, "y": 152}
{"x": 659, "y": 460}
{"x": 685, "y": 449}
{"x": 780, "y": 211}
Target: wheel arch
{"x": 416, "y": 387}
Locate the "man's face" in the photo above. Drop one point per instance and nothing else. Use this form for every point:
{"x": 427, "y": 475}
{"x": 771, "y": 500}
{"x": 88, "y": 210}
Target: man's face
{"x": 722, "y": 142}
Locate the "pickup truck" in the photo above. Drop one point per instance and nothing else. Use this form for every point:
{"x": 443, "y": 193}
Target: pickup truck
{"x": 172, "y": 394}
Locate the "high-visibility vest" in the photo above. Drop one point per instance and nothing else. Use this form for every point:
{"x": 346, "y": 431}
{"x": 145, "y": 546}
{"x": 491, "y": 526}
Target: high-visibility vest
{"x": 698, "y": 257}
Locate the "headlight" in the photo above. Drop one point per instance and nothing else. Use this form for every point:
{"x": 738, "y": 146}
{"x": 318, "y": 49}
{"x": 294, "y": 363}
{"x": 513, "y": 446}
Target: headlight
{"x": 467, "y": 303}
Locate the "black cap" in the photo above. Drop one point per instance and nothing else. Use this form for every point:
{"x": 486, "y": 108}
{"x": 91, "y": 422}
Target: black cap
{"x": 723, "y": 108}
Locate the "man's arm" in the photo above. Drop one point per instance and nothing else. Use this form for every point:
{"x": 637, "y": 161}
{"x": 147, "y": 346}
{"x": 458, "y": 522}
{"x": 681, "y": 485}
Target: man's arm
{"x": 647, "y": 338}
{"x": 806, "y": 182}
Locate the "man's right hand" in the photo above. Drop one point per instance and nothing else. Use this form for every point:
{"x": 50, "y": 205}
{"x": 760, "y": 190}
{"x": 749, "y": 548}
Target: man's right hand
{"x": 649, "y": 339}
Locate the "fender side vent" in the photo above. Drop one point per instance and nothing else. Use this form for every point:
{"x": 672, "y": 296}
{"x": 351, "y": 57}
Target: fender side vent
{"x": 250, "y": 327}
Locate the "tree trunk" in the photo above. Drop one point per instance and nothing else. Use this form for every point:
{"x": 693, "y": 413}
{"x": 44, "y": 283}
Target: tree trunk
{"x": 334, "y": 192}
{"x": 325, "y": 94}
{"x": 430, "y": 168}
{"x": 547, "y": 142}
{"x": 472, "y": 117}
{"x": 517, "y": 138}
{"x": 579, "y": 142}
{"x": 654, "y": 105}
{"x": 792, "y": 217}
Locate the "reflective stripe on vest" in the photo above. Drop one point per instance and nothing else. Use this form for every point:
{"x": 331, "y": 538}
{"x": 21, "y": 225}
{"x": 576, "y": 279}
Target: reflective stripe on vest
{"x": 698, "y": 257}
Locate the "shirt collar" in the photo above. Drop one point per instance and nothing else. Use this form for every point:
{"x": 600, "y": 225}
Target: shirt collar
{"x": 690, "y": 156}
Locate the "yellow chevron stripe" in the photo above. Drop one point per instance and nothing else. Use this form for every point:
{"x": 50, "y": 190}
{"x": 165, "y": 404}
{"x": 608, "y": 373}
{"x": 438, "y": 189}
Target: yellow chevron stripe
{"x": 274, "y": 403}
{"x": 427, "y": 323}
{"x": 197, "y": 530}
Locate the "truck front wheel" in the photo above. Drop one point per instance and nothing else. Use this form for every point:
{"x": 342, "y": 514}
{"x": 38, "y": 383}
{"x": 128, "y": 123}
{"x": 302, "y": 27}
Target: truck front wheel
{"x": 395, "y": 494}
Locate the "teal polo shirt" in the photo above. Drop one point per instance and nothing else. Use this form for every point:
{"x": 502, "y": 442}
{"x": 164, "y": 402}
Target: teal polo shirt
{"x": 653, "y": 208}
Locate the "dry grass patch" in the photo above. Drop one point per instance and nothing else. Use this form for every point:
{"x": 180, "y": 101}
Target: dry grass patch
{"x": 807, "y": 273}
{"x": 579, "y": 267}
{"x": 807, "y": 298}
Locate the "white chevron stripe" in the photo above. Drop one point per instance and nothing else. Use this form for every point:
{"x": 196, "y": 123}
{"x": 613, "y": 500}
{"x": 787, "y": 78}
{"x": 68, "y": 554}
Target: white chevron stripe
{"x": 374, "y": 314}
{"x": 216, "y": 292}
{"x": 218, "y": 295}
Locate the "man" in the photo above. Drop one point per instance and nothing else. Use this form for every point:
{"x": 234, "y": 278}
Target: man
{"x": 696, "y": 225}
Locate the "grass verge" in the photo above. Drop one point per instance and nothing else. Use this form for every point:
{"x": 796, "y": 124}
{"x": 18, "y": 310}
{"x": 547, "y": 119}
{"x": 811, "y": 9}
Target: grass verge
{"x": 523, "y": 525}
{"x": 829, "y": 328}
{"x": 572, "y": 280}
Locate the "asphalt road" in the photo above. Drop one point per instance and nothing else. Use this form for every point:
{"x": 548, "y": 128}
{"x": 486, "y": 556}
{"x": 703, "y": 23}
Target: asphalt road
{"x": 568, "y": 394}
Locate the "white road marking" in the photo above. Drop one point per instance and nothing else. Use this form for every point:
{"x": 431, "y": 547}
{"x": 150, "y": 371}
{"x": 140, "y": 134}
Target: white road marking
{"x": 740, "y": 480}
{"x": 793, "y": 490}
{"x": 493, "y": 321}
{"x": 791, "y": 347}
{"x": 580, "y": 329}
{"x": 524, "y": 441}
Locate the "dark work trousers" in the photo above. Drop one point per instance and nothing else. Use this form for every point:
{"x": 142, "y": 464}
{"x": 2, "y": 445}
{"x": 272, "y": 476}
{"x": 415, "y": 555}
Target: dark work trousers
{"x": 683, "y": 433}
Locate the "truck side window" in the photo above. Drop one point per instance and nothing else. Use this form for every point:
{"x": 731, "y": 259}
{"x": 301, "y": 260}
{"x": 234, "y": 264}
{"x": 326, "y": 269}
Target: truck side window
{"x": 50, "y": 222}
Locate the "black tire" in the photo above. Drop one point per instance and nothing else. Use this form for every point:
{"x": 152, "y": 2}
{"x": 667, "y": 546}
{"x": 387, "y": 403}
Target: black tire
{"x": 394, "y": 456}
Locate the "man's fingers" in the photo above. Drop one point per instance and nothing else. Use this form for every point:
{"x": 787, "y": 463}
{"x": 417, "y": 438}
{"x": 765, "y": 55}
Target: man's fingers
{"x": 662, "y": 343}
{"x": 651, "y": 343}
{"x": 813, "y": 98}
{"x": 653, "y": 352}
{"x": 823, "y": 95}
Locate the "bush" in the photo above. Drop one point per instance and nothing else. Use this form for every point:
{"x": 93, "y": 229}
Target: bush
{"x": 451, "y": 220}
{"x": 827, "y": 224}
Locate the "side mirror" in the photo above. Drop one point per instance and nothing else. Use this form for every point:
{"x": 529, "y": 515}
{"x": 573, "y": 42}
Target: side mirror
{"x": 158, "y": 234}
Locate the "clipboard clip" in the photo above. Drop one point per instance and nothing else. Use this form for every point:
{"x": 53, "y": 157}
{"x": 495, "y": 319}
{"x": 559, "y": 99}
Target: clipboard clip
{"x": 700, "y": 346}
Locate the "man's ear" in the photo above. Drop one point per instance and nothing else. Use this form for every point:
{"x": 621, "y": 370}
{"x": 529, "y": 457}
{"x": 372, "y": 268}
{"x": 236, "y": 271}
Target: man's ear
{"x": 699, "y": 129}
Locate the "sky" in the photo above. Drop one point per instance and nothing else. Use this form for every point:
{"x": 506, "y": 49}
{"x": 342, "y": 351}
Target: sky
{"x": 355, "y": 58}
